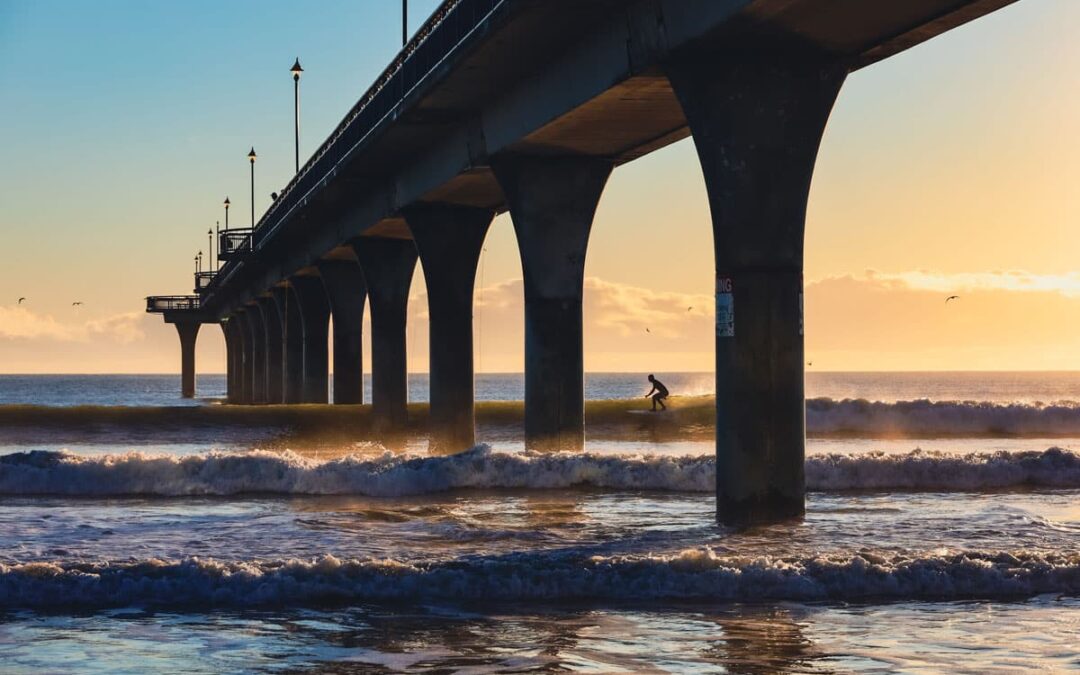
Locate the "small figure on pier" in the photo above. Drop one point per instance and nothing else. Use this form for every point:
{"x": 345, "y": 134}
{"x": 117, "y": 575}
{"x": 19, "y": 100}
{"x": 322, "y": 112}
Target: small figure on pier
{"x": 658, "y": 392}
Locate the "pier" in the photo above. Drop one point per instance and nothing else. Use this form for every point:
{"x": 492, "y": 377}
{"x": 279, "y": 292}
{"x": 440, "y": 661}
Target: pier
{"x": 527, "y": 107}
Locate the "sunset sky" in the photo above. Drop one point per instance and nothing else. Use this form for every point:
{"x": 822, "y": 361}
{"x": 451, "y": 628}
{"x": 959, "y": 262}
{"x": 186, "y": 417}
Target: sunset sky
{"x": 949, "y": 169}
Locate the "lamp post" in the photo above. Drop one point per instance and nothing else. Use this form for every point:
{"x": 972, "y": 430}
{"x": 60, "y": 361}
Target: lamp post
{"x": 296, "y": 70}
{"x": 217, "y": 238}
{"x": 199, "y": 263}
{"x": 251, "y": 158}
{"x": 226, "y": 214}
{"x": 196, "y": 264}
{"x": 209, "y": 248}
{"x": 404, "y": 22}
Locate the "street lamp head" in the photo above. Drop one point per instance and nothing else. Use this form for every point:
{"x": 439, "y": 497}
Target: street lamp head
{"x": 252, "y": 155}
{"x": 296, "y": 70}
{"x": 227, "y": 202}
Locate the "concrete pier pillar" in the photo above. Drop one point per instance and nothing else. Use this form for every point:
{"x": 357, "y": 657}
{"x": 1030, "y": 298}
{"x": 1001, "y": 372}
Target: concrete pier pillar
{"x": 245, "y": 361}
{"x": 292, "y": 344}
{"x": 230, "y": 355}
{"x": 236, "y": 361}
{"x": 188, "y": 331}
{"x": 257, "y": 328}
{"x": 388, "y": 266}
{"x": 552, "y": 202}
{"x": 346, "y": 291}
{"x": 315, "y": 317}
{"x": 449, "y": 240}
{"x": 757, "y": 122}
{"x": 274, "y": 374}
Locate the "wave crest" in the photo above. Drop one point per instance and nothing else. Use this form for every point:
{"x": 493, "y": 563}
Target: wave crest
{"x": 926, "y": 418}
{"x": 389, "y": 475}
{"x": 697, "y": 574}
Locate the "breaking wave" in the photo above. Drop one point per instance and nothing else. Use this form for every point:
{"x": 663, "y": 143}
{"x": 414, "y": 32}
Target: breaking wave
{"x": 689, "y": 417}
{"x": 926, "y": 418}
{"x": 696, "y": 574}
{"x": 390, "y": 475}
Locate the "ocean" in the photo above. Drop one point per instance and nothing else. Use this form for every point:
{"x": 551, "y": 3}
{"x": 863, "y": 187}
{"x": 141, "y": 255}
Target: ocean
{"x": 942, "y": 534}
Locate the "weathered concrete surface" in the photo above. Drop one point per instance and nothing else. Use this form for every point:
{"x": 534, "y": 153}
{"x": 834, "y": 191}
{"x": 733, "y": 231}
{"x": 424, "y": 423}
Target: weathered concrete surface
{"x": 275, "y": 392}
{"x": 315, "y": 316}
{"x": 246, "y": 361}
{"x": 346, "y": 291}
{"x": 231, "y": 349}
{"x": 188, "y": 332}
{"x": 257, "y": 329}
{"x": 552, "y": 203}
{"x": 292, "y": 344}
{"x": 449, "y": 240}
{"x": 757, "y": 123}
{"x": 388, "y": 266}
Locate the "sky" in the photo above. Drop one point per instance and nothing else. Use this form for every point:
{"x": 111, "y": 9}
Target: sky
{"x": 948, "y": 169}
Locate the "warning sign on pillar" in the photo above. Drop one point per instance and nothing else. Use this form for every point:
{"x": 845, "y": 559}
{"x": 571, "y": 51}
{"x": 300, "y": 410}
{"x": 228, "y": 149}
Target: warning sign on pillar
{"x": 725, "y": 307}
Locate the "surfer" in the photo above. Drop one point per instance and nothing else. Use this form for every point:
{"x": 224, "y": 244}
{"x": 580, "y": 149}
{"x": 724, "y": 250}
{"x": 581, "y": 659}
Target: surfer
{"x": 658, "y": 392}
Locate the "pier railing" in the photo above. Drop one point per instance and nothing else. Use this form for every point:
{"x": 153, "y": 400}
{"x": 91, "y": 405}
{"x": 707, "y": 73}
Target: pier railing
{"x": 236, "y": 243}
{"x": 446, "y": 28}
{"x": 203, "y": 280}
{"x": 172, "y": 303}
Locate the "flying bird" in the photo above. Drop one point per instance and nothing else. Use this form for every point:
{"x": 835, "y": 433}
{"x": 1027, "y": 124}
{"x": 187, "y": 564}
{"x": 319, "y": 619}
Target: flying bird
{"x": 648, "y": 331}
{"x": 951, "y": 297}
{"x": 689, "y": 308}
{"x": 76, "y": 304}
{"x": 21, "y": 300}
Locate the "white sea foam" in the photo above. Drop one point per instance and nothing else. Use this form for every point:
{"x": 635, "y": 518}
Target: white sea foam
{"x": 696, "y": 574}
{"x": 390, "y": 475}
{"x": 859, "y": 417}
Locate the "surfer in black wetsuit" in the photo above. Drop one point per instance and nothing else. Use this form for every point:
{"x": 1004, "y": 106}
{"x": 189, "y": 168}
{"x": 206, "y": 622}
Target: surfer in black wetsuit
{"x": 658, "y": 392}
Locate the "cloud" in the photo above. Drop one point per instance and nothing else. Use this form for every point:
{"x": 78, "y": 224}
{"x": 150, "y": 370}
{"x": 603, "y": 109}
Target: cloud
{"x": 941, "y": 282}
{"x": 630, "y": 310}
{"x": 868, "y": 321}
{"x": 890, "y": 321}
{"x": 22, "y": 323}
{"x": 613, "y": 307}
{"x": 123, "y": 328}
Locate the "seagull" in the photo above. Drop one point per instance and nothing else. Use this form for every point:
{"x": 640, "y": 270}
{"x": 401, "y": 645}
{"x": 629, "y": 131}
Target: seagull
{"x": 76, "y": 304}
{"x": 951, "y": 297}
{"x": 809, "y": 363}
{"x": 689, "y": 308}
{"x": 21, "y": 301}
{"x": 648, "y": 331}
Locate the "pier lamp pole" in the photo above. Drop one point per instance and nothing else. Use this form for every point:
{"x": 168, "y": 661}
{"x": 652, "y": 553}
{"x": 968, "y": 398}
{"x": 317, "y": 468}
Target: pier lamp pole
{"x": 217, "y": 238}
{"x": 296, "y": 70}
{"x": 404, "y": 22}
{"x": 198, "y": 263}
{"x": 209, "y": 248}
{"x": 226, "y": 214}
{"x": 251, "y": 158}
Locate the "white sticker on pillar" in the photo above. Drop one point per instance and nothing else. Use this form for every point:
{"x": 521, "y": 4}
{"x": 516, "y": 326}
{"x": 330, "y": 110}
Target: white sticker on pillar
{"x": 725, "y": 307}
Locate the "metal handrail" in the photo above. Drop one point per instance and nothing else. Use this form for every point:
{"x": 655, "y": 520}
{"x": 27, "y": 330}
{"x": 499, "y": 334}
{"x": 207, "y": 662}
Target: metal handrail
{"x": 443, "y": 30}
{"x": 235, "y": 242}
{"x": 203, "y": 280}
{"x": 172, "y": 303}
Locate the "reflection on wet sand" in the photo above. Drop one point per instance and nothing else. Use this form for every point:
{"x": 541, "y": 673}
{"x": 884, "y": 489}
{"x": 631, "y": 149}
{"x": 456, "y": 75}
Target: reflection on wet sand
{"x": 762, "y": 639}
{"x": 748, "y": 640}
